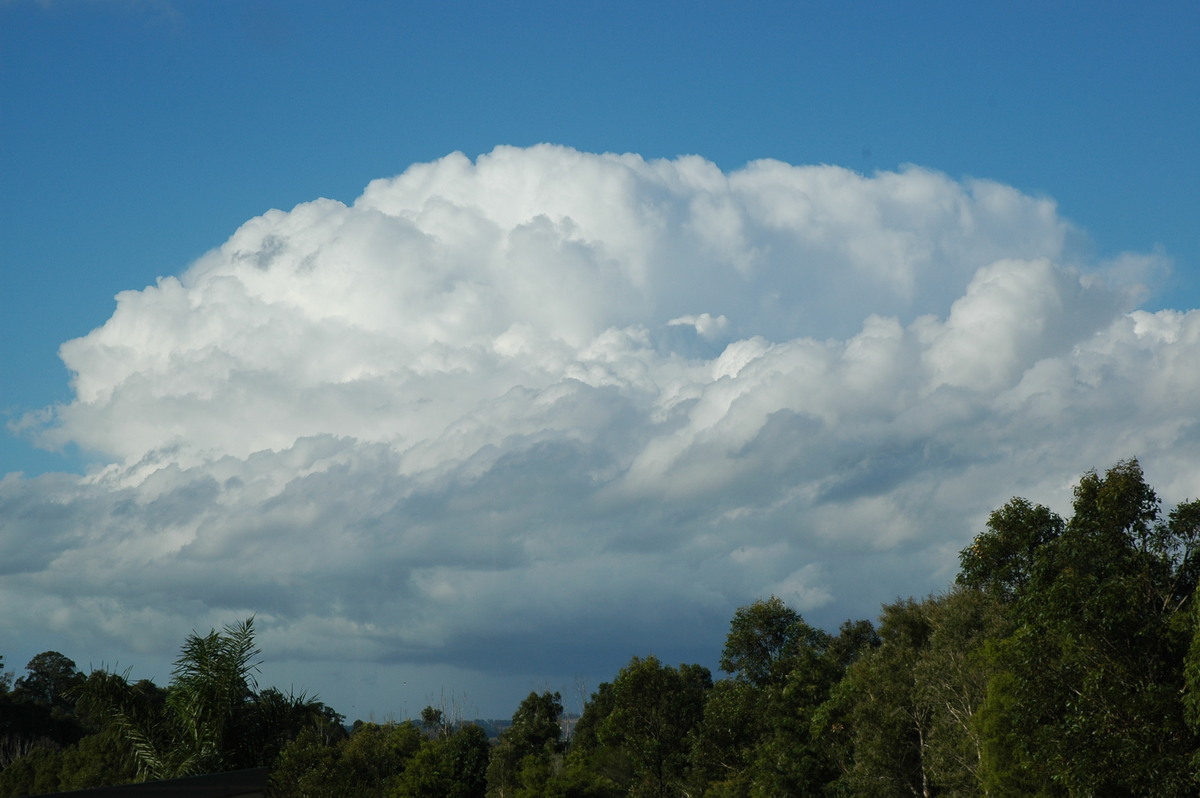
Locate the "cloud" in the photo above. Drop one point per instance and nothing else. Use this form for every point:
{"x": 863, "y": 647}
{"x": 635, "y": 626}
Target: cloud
{"x": 529, "y": 415}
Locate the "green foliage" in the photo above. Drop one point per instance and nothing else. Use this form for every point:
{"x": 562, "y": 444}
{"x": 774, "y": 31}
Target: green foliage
{"x": 97, "y": 760}
{"x": 369, "y": 763}
{"x": 453, "y": 766}
{"x": 725, "y": 743}
{"x": 1087, "y": 695}
{"x": 1008, "y": 768}
{"x": 654, "y": 709}
{"x": 1002, "y": 561}
{"x": 60, "y": 730}
{"x": 762, "y": 639}
{"x": 203, "y": 725}
{"x": 49, "y": 679}
{"x": 38, "y": 711}
{"x": 434, "y": 721}
{"x": 35, "y": 773}
{"x": 586, "y": 736}
{"x": 380, "y": 761}
{"x": 528, "y": 753}
{"x": 762, "y": 733}
{"x": 103, "y": 693}
{"x": 609, "y": 763}
{"x": 951, "y": 678}
{"x": 889, "y": 724}
{"x": 273, "y": 718}
{"x": 311, "y": 767}
{"x": 95, "y": 755}
{"x": 574, "y": 778}
{"x": 536, "y": 724}
{"x": 209, "y": 719}
{"x": 788, "y": 759}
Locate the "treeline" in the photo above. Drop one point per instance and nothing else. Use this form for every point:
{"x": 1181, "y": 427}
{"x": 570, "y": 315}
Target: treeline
{"x": 63, "y": 730}
{"x": 1064, "y": 661}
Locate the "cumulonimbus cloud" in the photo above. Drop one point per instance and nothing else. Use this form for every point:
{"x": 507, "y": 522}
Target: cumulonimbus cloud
{"x": 596, "y": 397}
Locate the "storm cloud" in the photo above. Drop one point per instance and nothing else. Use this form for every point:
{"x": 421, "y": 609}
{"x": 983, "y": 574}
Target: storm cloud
{"x": 528, "y": 415}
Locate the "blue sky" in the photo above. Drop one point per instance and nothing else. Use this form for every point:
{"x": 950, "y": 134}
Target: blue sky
{"x": 135, "y": 136}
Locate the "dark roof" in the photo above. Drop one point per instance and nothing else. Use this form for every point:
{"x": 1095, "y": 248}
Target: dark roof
{"x": 234, "y": 784}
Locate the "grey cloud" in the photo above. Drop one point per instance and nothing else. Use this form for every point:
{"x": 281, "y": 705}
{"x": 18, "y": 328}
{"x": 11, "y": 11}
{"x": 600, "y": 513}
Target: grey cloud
{"x": 40, "y": 520}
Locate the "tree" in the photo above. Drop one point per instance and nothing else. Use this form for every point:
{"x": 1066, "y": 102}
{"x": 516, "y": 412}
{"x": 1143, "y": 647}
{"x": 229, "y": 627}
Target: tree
{"x": 274, "y": 718}
{"x": 214, "y": 718}
{"x": 103, "y": 694}
{"x": 794, "y": 756}
{"x": 903, "y": 720}
{"x": 38, "y": 772}
{"x": 762, "y": 639}
{"x": 1086, "y": 695}
{"x": 38, "y": 711}
{"x": 524, "y": 758}
{"x": 50, "y": 678}
{"x": 725, "y": 743}
{"x": 433, "y": 721}
{"x": 97, "y": 760}
{"x": 367, "y": 764}
{"x": 879, "y": 701}
{"x": 451, "y": 766}
{"x": 577, "y": 780}
{"x": 589, "y": 753}
{"x": 655, "y": 708}
{"x": 101, "y": 758}
{"x": 211, "y": 685}
{"x": 951, "y": 676}
{"x": 536, "y": 725}
{"x": 1002, "y": 560}
{"x": 762, "y": 733}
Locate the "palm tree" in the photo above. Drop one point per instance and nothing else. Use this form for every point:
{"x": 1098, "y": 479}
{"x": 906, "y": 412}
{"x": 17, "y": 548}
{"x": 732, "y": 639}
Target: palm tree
{"x": 205, "y": 719}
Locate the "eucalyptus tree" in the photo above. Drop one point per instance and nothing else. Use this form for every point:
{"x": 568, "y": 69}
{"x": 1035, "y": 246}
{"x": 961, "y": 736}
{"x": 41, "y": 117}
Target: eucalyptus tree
{"x": 636, "y": 732}
{"x": 530, "y": 750}
{"x": 762, "y": 733}
{"x": 1086, "y": 696}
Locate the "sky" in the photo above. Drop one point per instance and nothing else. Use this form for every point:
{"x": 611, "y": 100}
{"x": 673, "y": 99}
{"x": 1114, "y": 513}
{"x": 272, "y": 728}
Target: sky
{"x": 474, "y": 349}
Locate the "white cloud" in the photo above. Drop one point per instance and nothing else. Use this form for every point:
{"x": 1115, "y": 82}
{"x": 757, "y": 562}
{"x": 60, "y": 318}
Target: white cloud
{"x": 542, "y": 411}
